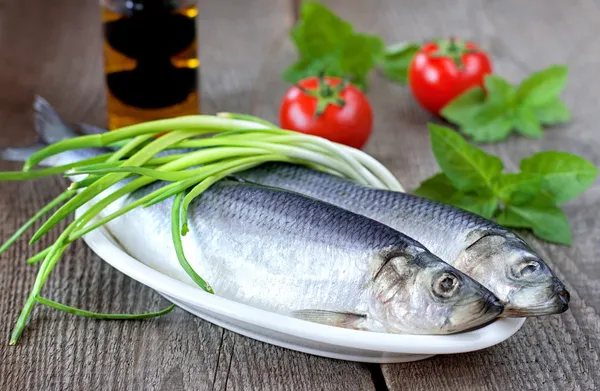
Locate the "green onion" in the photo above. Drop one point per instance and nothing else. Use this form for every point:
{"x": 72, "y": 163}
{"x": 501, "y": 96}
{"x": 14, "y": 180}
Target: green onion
{"x": 96, "y": 315}
{"x": 39, "y": 256}
{"x": 247, "y": 117}
{"x": 175, "y": 230}
{"x": 62, "y": 197}
{"x": 215, "y": 147}
{"x": 21, "y": 176}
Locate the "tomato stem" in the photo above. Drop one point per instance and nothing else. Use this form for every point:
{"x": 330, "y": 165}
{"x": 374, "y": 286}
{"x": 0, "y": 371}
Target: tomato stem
{"x": 454, "y": 49}
{"x": 452, "y": 46}
{"x": 325, "y": 93}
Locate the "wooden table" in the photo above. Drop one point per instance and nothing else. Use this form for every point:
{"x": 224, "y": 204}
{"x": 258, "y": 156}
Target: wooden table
{"x": 53, "y": 48}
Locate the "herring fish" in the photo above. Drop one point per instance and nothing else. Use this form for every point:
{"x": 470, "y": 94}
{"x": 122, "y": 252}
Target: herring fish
{"x": 482, "y": 249}
{"x": 288, "y": 253}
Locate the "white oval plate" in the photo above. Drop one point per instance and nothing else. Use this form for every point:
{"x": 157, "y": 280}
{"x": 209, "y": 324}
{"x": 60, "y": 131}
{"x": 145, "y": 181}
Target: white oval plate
{"x": 291, "y": 333}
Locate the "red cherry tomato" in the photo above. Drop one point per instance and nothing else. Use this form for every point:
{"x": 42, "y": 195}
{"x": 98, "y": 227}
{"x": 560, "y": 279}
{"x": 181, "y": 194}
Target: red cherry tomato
{"x": 328, "y": 108}
{"x": 442, "y": 70}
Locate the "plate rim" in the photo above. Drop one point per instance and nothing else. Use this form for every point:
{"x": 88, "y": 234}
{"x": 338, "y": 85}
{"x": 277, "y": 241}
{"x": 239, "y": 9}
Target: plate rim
{"x": 103, "y": 244}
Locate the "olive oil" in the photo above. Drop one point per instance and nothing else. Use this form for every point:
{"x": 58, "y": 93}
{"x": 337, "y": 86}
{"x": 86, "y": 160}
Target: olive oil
{"x": 151, "y": 61}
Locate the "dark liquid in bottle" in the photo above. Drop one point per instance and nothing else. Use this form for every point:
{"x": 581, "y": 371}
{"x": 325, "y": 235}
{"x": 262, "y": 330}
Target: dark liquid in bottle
{"x": 151, "y": 62}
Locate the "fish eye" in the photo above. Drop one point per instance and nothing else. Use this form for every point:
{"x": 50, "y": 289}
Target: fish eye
{"x": 526, "y": 268}
{"x": 446, "y": 285}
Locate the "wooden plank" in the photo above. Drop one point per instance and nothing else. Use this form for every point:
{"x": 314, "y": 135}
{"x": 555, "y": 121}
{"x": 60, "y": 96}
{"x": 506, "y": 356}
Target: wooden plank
{"x": 557, "y": 352}
{"x": 183, "y": 352}
{"x": 245, "y": 79}
{"x": 54, "y": 49}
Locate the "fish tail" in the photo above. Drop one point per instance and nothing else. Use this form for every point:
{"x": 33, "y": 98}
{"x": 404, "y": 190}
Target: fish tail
{"x": 50, "y": 129}
{"x": 49, "y": 126}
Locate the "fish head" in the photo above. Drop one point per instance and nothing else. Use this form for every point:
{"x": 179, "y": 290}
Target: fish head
{"x": 424, "y": 295}
{"x": 507, "y": 266}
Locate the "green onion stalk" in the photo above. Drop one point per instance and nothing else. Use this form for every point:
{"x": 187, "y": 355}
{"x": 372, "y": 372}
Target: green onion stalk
{"x": 218, "y": 146}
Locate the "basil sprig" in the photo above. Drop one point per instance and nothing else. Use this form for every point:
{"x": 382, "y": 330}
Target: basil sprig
{"x": 491, "y": 115}
{"x": 475, "y": 181}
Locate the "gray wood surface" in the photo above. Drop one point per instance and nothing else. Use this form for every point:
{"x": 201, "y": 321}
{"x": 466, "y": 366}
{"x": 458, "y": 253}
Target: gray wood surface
{"x": 53, "y": 48}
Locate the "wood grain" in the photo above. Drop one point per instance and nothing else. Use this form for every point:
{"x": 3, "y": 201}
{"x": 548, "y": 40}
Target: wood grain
{"x": 54, "y": 49}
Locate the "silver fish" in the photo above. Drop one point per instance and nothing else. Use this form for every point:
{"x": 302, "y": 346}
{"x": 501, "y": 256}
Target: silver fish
{"x": 484, "y": 250}
{"x": 291, "y": 254}
{"x": 288, "y": 253}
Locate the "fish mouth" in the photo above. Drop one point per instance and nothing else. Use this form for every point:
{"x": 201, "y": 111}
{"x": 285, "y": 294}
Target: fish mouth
{"x": 557, "y": 304}
{"x": 493, "y": 306}
{"x": 486, "y": 311}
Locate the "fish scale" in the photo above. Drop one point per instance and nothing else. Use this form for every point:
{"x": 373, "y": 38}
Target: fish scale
{"x": 313, "y": 218}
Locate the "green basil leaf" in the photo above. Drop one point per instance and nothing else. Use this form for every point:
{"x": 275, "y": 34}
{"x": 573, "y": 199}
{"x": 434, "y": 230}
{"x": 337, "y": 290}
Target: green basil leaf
{"x": 463, "y": 108}
{"x": 552, "y": 112}
{"x": 489, "y": 112}
{"x": 319, "y": 31}
{"x": 499, "y": 89}
{"x": 483, "y": 206}
{"x": 518, "y": 189}
{"x": 543, "y": 86}
{"x": 466, "y": 166}
{"x": 490, "y": 123}
{"x": 326, "y": 43}
{"x": 437, "y": 188}
{"x": 565, "y": 175}
{"x": 547, "y": 222}
{"x": 396, "y": 60}
{"x": 494, "y": 131}
{"x": 527, "y": 123}
{"x": 358, "y": 56}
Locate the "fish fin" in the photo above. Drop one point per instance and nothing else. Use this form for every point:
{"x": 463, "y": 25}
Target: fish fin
{"x": 331, "y": 318}
{"x": 236, "y": 178}
{"x": 241, "y": 179}
{"x": 49, "y": 126}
